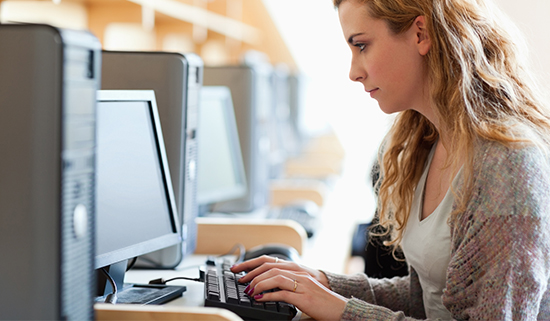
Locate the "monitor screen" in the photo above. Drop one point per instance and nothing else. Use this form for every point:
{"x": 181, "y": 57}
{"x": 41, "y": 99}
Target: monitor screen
{"x": 221, "y": 173}
{"x": 250, "y": 92}
{"x": 134, "y": 199}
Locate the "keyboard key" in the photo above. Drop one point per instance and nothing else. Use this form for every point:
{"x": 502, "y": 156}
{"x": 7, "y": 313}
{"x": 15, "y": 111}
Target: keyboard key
{"x": 215, "y": 296}
{"x": 257, "y": 305}
{"x": 272, "y": 306}
{"x": 231, "y": 297}
{"x": 285, "y": 307}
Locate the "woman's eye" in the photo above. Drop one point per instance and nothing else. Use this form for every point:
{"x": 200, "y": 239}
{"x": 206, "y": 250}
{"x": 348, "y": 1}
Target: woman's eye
{"x": 361, "y": 46}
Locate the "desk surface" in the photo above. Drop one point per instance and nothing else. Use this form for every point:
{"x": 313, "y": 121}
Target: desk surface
{"x": 193, "y": 297}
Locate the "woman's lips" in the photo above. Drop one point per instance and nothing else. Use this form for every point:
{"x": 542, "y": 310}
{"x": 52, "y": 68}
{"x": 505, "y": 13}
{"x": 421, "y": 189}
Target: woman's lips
{"x": 372, "y": 92}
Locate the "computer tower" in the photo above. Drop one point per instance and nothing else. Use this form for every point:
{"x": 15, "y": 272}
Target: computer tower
{"x": 250, "y": 86}
{"x": 176, "y": 79}
{"x": 48, "y": 83}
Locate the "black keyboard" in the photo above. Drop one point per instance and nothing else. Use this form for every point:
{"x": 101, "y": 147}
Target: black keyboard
{"x": 222, "y": 290}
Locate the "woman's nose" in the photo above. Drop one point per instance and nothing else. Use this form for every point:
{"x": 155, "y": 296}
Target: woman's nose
{"x": 356, "y": 72}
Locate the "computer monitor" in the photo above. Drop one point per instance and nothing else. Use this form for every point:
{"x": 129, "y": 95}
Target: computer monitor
{"x": 221, "y": 174}
{"x": 176, "y": 79}
{"x": 135, "y": 207}
{"x": 48, "y": 83}
{"x": 297, "y": 89}
{"x": 284, "y": 140}
{"x": 250, "y": 87}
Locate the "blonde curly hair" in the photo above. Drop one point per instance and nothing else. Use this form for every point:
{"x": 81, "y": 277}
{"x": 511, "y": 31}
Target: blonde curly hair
{"x": 480, "y": 88}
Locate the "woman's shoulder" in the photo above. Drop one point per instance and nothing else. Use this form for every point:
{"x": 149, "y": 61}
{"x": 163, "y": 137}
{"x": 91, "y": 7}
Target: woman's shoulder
{"x": 509, "y": 175}
{"x": 493, "y": 157}
{"x": 511, "y": 186}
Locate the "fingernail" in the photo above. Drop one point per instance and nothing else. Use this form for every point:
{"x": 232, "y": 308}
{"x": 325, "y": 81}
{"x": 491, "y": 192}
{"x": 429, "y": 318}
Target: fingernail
{"x": 259, "y": 296}
{"x": 246, "y": 289}
{"x": 250, "y": 291}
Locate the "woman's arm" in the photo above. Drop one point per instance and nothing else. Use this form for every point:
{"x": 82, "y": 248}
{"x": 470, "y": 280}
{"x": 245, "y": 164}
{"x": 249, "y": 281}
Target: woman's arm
{"x": 396, "y": 294}
{"x": 500, "y": 263}
{"x": 329, "y": 296}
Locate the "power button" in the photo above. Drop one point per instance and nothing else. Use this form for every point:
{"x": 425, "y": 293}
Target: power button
{"x": 80, "y": 221}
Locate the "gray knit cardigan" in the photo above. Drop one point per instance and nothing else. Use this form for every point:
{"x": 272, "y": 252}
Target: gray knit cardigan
{"x": 500, "y": 249}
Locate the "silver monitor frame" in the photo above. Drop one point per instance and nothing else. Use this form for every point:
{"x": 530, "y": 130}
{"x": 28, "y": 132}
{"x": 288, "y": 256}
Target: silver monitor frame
{"x": 251, "y": 91}
{"x": 221, "y": 94}
{"x": 112, "y": 257}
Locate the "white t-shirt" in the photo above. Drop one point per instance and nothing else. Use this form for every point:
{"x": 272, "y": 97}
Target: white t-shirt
{"x": 427, "y": 247}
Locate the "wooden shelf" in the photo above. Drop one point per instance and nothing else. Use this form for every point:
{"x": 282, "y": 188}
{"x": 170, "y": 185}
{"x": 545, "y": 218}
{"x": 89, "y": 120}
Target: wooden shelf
{"x": 239, "y": 25}
{"x": 287, "y": 191}
{"x": 219, "y": 235}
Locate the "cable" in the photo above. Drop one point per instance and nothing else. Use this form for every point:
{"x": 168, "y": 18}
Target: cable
{"x": 237, "y": 246}
{"x": 111, "y": 297}
{"x": 131, "y": 264}
{"x": 199, "y": 279}
{"x": 163, "y": 281}
{"x": 242, "y": 251}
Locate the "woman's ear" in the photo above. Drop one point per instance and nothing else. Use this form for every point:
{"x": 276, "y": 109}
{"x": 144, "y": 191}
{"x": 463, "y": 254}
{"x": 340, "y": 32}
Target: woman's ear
{"x": 423, "y": 40}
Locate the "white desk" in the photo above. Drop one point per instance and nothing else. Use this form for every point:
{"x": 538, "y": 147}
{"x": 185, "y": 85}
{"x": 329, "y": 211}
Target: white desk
{"x": 193, "y": 297}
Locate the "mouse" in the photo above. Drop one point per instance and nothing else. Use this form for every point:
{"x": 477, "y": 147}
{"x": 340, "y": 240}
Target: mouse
{"x": 307, "y": 207}
{"x": 281, "y": 251}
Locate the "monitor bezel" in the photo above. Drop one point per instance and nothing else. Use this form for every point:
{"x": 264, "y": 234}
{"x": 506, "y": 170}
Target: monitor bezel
{"x": 224, "y": 93}
{"x": 135, "y": 250}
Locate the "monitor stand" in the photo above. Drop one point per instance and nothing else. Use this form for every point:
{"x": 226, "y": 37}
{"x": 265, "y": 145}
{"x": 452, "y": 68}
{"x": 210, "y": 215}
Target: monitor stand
{"x": 141, "y": 294}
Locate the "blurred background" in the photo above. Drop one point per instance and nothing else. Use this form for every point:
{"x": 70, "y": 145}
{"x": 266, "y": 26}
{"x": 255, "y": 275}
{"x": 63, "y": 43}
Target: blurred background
{"x": 303, "y": 36}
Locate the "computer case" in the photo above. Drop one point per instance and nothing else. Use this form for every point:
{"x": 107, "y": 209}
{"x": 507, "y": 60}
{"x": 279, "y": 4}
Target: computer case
{"x": 176, "y": 79}
{"x": 48, "y": 83}
{"x": 250, "y": 86}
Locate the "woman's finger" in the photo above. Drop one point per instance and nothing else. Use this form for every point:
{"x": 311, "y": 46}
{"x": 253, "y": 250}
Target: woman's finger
{"x": 253, "y": 263}
{"x": 306, "y": 293}
{"x": 278, "y": 282}
{"x": 275, "y": 279}
{"x": 266, "y": 267}
{"x": 270, "y": 267}
{"x": 264, "y": 263}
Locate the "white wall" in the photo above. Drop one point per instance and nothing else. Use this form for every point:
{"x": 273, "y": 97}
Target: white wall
{"x": 532, "y": 18}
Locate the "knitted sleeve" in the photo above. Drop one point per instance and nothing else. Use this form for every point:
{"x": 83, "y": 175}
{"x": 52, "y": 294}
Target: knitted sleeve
{"x": 500, "y": 260}
{"x": 379, "y": 299}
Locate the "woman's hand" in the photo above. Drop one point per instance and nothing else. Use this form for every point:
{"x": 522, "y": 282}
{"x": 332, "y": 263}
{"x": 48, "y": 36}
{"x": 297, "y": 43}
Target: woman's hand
{"x": 297, "y": 285}
{"x": 261, "y": 264}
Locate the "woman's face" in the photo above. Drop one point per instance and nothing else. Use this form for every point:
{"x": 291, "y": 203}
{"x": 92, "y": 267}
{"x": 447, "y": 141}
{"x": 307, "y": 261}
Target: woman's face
{"x": 390, "y": 67}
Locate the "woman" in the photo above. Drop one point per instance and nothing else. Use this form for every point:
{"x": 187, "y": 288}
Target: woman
{"x": 465, "y": 172}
